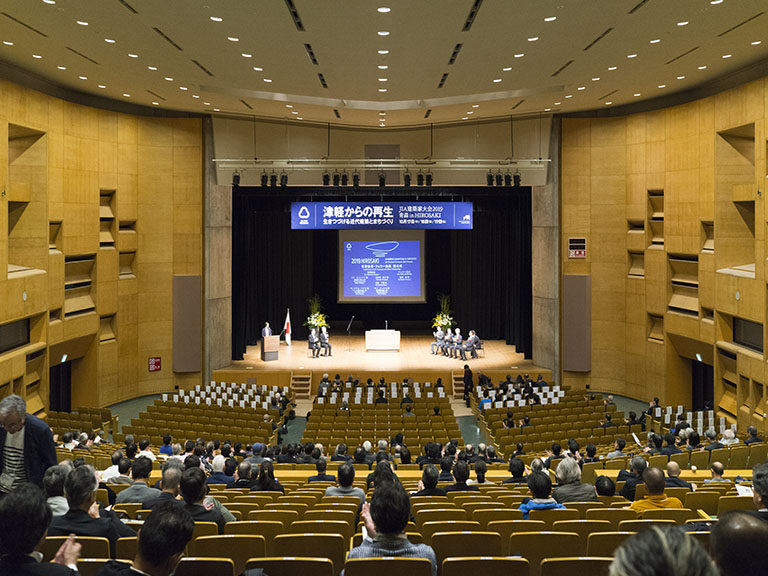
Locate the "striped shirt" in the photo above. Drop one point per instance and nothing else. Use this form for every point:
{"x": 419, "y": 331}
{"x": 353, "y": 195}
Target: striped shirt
{"x": 14, "y": 472}
{"x": 384, "y": 545}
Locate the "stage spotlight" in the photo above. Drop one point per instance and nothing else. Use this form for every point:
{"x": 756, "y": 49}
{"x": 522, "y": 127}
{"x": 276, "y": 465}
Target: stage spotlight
{"x": 507, "y": 179}
{"x": 420, "y": 178}
{"x": 273, "y": 179}
{"x": 406, "y": 178}
{"x": 283, "y": 178}
{"x": 326, "y": 178}
{"x": 382, "y": 179}
{"x": 516, "y": 177}
{"x": 355, "y": 179}
{"x": 344, "y": 178}
{"x": 236, "y": 178}
{"x": 264, "y": 179}
{"x": 499, "y": 178}
{"x": 336, "y": 178}
{"x": 428, "y": 178}
{"x": 489, "y": 178}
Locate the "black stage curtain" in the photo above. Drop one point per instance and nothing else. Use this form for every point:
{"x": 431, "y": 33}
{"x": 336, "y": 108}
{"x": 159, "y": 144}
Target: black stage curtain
{"x": 486, "y": 271}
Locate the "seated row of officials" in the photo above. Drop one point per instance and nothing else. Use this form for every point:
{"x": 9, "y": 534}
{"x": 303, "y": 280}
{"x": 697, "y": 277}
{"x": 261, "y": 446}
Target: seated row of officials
{"x": 451, "y": 345}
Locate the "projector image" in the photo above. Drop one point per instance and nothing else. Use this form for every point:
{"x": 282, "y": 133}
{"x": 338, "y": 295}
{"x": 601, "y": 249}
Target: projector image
{"x": 381, "y": 249}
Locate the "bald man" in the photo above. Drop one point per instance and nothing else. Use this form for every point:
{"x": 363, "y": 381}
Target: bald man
{"x": 673, "y": 478}
{"x": 654, "y": 482}
{"x": 739, "y": 544}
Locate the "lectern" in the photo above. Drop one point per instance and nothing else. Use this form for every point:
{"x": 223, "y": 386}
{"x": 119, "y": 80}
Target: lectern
{"x": 269, "y": 347}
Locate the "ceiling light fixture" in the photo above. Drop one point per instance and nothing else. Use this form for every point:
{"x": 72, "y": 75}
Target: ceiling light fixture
{"x": 662, "y": 85}
{"x": 216, "y": 18}
{"x": 216, "y": 110}
{"x": 631, "y": 55}
{"x": 655, "y": 41}
{"x": 382, "y": 89}
{"x": 581, "y": 88}
{"x": 82, "y": 22}
{"x": 612, "y": 68}
{"x": 294, "y": 112}
{"x": 268, "y": 80}
{"x": 383, "y": 9}
{"x": 109, "y": 40}
{"x": 383, "y": 51}
{"x": 507, "y": 69}
{"x": 61, "y": 67}
{"x": 596, "y": 78}
{"x": 383, "y": 79}
{"x": 497, "y": 80}
{"x": 130, "y": 55}
{"x": 475, "y": 105}
{"x": 683, "y": 23}
{"x": 126, "y": 94}
{"x": 727, "y": 55}
{"x": 195, "y": 96}
{"x": 152, "y": 67}
{"x": 558, "y": 103}
{"x": 569, "y": 95}
{"x": 246, "y": 55}
{"x": 382, "y": 33}
{"x": 7, "y": 43}
{"x": 383, "y": 67}
{"x": 702, "y": 67}
{"x": 636, "y": 94}
{"x": 533, "y": 39}
{"x": 83, "y": 77}
{"x": 716, "y": 1}
{"x": 470, "y": 112}
{"x": 550, "y": 18}
{"x": 206, "y": 103}
{"x": 520, "y": 55}
{"x": 169, "y": 79}
{"x": 36, "y": 56}
{"x": 183, "y": 88}
{"x": 608, "y": 103}
{"x": 756, "y": 42}
{"x": 680, "y": 77}
{"x": 258, "y": 68}
{"x": 382, "y": 113}
{"x": 547, "y": 109}
{"x": 289, "y": 105}
{"x": 299, "y": 118}
{"x": 102, "y": 86}
{"x": 233, "y": 38}
{"x": 156, "y": 103}
{"x": 50, "y": 1}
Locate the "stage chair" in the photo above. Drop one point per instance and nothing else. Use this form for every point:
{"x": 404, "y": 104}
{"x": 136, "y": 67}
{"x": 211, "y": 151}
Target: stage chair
{"x": 505, "y": 528}
{"x": 485, "y": 566}
{"x": 238, "y": 547}
{"x": 387, "y": 566}
{"x": 126, "y": 548}
{"x": 582, "y": 507}
{"x": 92, "y": 547}
{"x": 679, "y": 515}
{"x": 535, "y": 546}
{"x": 613, "y": 515}
{"x": 604, "y": 544}
{"x": 553, "y": 515}
{"x": 205, "y": 567}
{"x": 486, "y": 515}
{"x": 593, "y": 566}
{"x": 429, "y": 528}
{"x": 640, "y": 525}
{"x": 447, "y": 544}
{"x": 331, "y": 546}
{"x": 583, "y": 528}
{"x": 290, "y": 566}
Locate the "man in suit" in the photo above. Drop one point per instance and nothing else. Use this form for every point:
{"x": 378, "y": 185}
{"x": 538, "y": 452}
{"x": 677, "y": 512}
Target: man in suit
{"x": 461, "y": 474}
{"x": 325, "y": 341}
{"x": 681, "y": 424}
{"x": 172, "y": 471}
{"x": 456, "y": 348}
{"x": 193, "y": 489}
{"x": 760, "y": 491}
{"x": 471, "y": 344}
{"x": 266, "y": 331}
{"x": 428, "y": 482}
{"x": 314, "y": 343}
{"x": 84, "y": 517}
{"x": 139, "y": 490}
{"x": 321, "y": 476}
{"x": 26, "y": 445}
{"x": 24, "y": 518}
{"x": 673, "y": 477}
{"x": 633, "y": 477}
{"x": 711, "y": 436}
{"x": 437, "y": 345}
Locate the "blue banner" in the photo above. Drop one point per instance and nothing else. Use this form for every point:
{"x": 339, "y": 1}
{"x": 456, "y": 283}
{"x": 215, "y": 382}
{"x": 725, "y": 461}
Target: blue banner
{"x": 381, "y": 215}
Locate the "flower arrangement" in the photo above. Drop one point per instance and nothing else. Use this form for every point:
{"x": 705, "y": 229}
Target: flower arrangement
{"x": 316, "y": 318}
{"x": 443, "y": 319}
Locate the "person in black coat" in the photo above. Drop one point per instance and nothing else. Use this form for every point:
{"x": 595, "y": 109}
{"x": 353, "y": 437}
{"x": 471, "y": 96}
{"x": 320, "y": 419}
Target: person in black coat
{"x": 428, "y": 482}
{"x": 461, "y": 474}
{"x": 468, "y": 384}
{"x": 24, "y": 518}
{"x": 633, "y": 477}
{"x": 38, "y": 452}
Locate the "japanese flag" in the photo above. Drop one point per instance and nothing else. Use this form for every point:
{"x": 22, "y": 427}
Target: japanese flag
{"x": 287, "y": 327}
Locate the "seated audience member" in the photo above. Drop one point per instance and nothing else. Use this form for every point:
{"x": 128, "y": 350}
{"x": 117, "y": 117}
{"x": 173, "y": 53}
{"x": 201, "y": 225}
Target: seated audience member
{"x": 681, "y": 424}
{"x": 518, "y": 450}
{"x": 381, "y": 473}
{"x": 492, "y": 456}
{"x": 167, "y": 447}
{"x": 716, "y": 469}
{"x": 243, "y": 476}
{"x": 408, "y": 413}
{"x": 570, "y": 488}
{"x": 193, "y": 490}
{"x": 385, "y": 520}
{"x": 436, "y": 411}
{"x": 24, "y": 519}
{"x": 161, "y": 544}
{"x": 526, "y": 421}
{"x": 540, "y": 488}
{"x": 346, "y": 474}
{"x": 139, "y": 490}
{"x": 431, "y": 455}
{"x": 633, "y": 477}
{"x": 321, "y": 476}
{"x": 670, "y": 447}
{"x": 537, "y": 465}
{"x": 760, "y": 491}
{"x": 694, "y": 441}
{"x": 144, "y": 450}
{"x": 661, "y": 550}
{"x": 265, "y": 481}
{"x": 654, "y": 482}
{"x": 53, "y": 485}
{"x": 169, "y": 486}
{"x": 608, "y": 422}
{"x": 591, "y": 454}
{"x": 481, "y": 468}
{"x": 123, "y": 473}
{"x": 604, "y": 486}
{"x": 428, "y": 482}
{"x": 655, "y": 443}
{"x": 84, "y": 517}
{"x": 556, "y": 453}
{"x": 341, "y": 454}
{"x": 739, "y": 544}
{"x": 632, "y": 420}
{"x": 729, "y": 438}
{"x": 381, "y": 399}
{"x": 218, "y": 476}
{"x": 673, "y": 477}
{"x": 405, "y": 455}
{"x": 509, "y": 421}
{"x": 446, "y": 466}
{"x": 711, "y": 437}
{"x": 461, "y": 474}
{"x": 618, "y": 451}
{"x": 112, "y": 471}
{"x": 130, "y": 451}
{"x": 517, "y": 470}
{"x": 753, "y": 437}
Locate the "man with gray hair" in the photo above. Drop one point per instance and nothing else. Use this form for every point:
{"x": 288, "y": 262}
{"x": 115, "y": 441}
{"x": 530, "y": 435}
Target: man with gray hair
{"x": 169, "y": 485}
{"x": 53, "y": 484}
{"x": 633, "y": 477}
{"x": 711, "y": 435}
{"x": 26, "y": 445}
{"x": 570, "y": 487}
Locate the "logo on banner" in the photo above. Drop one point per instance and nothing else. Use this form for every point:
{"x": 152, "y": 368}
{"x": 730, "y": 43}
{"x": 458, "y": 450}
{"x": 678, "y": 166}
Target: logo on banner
{"x": 304, "y": 215}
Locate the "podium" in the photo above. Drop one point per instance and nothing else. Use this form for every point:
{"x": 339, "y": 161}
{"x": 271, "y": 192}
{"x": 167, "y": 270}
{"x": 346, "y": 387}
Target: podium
{"x": 382, "y": 340}
{"x": 269, "y": 347}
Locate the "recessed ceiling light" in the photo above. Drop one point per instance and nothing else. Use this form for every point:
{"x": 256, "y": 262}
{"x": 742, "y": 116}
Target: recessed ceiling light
{"x": 61, "y": 67}
{"x": 702, "y": 67}
{"x": 756, "y": 42}
{"x": 558, "y": 103}
{"x": 102, "y": 86}
{"x": 258, "y": 68}
{"x": 383, "y": 79}
{"x": 608, "y": 103}
{"x": 715, "y": 1}
{"x": 7, "y": 43}
{"x": 569, "y": 95}
{"x": 233, "y": 38}
{"x": 183, "y": 88}
{"x": 680, "y": 77}
{"x": 267, "y": 80}
{"x": 662, "y": 85}
{"x": 83, "y": 77}
{"x": 475, "y": 105}
{"x": 126, "y": 94}
{"x": 382, "y": 113}
{"x": 383, "y": 33}
{"x": 133, "y": 55}
{"x": 216, "y": 18}
{"x": 497, "y": 80}
{"x": 533, "y": 39}
{"x": 294, "y": 112}
{"x": 383, "y": 51}
{"x": 169, "y": 79}
{"x": 581, "y": 88}
{"x": 631, "y": 55}
{"x": 636, "y": 94}
{"x": 289, "y": 105}
{"x": 156, "y": 103}
{"x": 109, "y": 40}
{"x": 547, "y": 109}
{"x": 683, "y": 23}
{"x": 82, "y": 22}
{"x": 299, "y": 118}
{"x": 383, "y": 125}
{"x": 383, "y": 9}
{"x": 727, "y": 55}
{"x": 596, "y": 78}
{"x": 470, "y": 112}
{"x": 36, "y": 56}
{"x": 215, "y": 109}
{"x": 50, "y": 1}
{"x": 382, "y": 89}
{"x": 550, "y": 18}
{"x": 656, "y": 41}
{"x": 206, "y": 103}
{"x": 612, "y": 67}
{"x": 152, "y": 67}
{"x": 383, "y": 67}
{"x": 246, "y": 55}
{"x": 195, "y": 96}
{"x": 507, "y": 69}
{"x": 520, "y": 55}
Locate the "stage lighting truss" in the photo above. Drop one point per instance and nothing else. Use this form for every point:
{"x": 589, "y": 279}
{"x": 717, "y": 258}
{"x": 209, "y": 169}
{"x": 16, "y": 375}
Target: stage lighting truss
{"x": 327, "y": 165}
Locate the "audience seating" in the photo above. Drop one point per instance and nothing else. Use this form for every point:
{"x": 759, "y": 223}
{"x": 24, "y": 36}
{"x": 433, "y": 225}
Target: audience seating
{"x": 639, "y": 525}
{"x": 429, "y": 528}
{"x": 593, "y": 566}
{"x": 679, "y": 515}
{"x": 583, "y": 528}
{"x": 331, "y": 546}
{"x": 605, "y": 543}
{"x": 447, "y": 544}
{"x": 553, "y": 515}
{"x": 126, "y": 548}
{"x": 485, "y": 566}
{"x": 291, "y": 566}
{"x": 266, "y": 529}
{"x": 191, "y": 566}
{"x": 238, "y": 547}
{"x": 486, "y": 515}
{"x": 535, "y": 546}
{"x": 613, "y": 515}
{"x": 506, "y": 528}
{"x": 205, "y": 529}
{"x": 726, "y": 503}
{"x": 388, "y": 566}
{"x": 92, "y": 547}
{"x": 91, "y": 566}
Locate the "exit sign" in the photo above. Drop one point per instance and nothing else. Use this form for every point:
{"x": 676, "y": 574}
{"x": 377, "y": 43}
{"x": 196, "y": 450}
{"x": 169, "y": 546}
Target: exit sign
{"x": 154, "y": 364}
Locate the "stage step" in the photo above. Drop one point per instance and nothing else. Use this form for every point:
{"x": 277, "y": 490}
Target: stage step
{"x": 301, "y": 384}
{"x": 458, "y": 385}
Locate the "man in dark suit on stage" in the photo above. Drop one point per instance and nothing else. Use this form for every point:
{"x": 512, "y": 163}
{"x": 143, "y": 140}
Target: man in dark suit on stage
{"x": 437, "y": 345}
{"x": 266, "y": 331}
{"x": 325, "y": 341}
{"x": 314, "y": 343}
{"x": 26, "y": 445}
{"x": 471, "y": 344}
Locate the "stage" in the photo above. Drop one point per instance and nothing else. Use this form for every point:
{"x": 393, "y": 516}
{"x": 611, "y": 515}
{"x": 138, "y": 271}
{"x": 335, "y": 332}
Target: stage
{"x": 350, "y": 357}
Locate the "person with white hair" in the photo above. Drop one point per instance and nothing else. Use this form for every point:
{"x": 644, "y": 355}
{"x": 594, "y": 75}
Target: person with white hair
{"x": 369, "y": 456}
{"x": 218, "y": 476}
{"x": 729, "y": 438}
{"x": 661, "y": 550}
{"x": 570, "y": 487}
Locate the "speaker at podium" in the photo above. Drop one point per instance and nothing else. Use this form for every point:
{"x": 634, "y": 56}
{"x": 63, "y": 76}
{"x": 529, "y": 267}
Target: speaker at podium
{"x": 269, "y": 348}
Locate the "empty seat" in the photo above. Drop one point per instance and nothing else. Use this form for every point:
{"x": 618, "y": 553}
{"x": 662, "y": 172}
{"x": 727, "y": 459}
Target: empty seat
{"x": 639, "y": 525}
{"x": 205, "y": 567}
{"x": 92, "y": 547}
{"x": 329, "y": 546}
{"x": 448, "y": 544}
{"x": 613, "y": 515}
{"x": 238, "y": 547}
{"x": 506, "y": 528}
{"x": 535, "y": 546}
{"x": 605, "y": 543}
{"x": 583, "y": 528}
{"x": 553, "y": 515}
{"x": 679, "y": 515}
{"x": 388, "y": 566}
{"x": 267, "y": 530}
{"x": 485, "y": 566}
{"x": 569, "y": 566}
